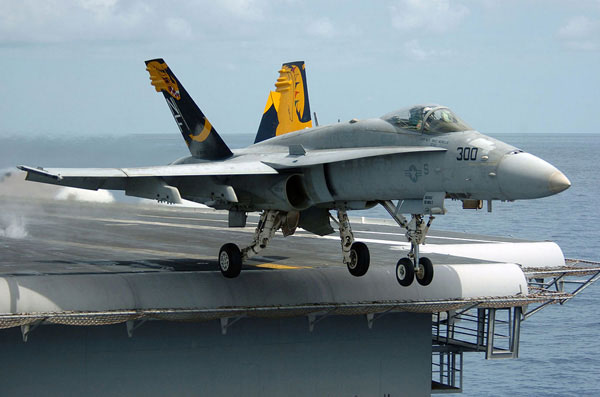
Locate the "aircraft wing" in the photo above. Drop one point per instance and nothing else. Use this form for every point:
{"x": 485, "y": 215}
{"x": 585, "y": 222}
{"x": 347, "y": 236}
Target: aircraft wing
{"x": 323, "y": 156}
{"x": 199, "y": 169}
{"x": 146, "y": 182}
{"x": 116, "y": 178}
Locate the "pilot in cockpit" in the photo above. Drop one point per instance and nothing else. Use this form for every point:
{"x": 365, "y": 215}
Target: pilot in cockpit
{"x": 416, "y": 116}
{"x": 441, "y": 120}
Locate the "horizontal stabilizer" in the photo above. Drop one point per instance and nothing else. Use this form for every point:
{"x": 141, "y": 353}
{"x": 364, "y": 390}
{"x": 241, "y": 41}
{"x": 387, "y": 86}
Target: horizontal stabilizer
{"x": 315, "y": 157}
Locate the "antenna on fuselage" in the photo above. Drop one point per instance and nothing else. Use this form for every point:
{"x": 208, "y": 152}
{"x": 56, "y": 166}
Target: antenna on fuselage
{"x": 316, "y": 119}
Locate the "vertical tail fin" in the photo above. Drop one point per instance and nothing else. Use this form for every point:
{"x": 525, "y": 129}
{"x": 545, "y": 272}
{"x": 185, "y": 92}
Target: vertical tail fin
{"x": 287, "y": 108}
{"x": 201, "y": 137}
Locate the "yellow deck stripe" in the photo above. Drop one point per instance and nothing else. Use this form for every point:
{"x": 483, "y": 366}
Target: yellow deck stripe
{"x": 278, "y": 266}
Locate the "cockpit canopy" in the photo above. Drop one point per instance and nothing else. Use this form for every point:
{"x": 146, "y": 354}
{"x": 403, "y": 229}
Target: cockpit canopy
{"x": 433, "y": 119}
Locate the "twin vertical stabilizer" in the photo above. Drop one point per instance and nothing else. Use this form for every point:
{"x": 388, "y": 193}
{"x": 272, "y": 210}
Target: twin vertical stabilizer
{"x": 199, "y": 134}
{"x": 287, "y": 108}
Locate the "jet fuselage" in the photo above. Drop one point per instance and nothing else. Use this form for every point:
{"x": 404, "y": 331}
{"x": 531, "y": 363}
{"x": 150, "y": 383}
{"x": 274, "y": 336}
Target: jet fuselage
{"x": 472, "y": 166}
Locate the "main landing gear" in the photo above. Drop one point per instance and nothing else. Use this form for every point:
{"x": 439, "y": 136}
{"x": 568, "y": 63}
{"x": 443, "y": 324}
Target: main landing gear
{"x": 355, "y": 254}
{"x": 413, "y": 266}
{"x": 231, "y": 257}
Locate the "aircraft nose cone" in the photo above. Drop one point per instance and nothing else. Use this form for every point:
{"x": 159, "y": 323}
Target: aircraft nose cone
{"x": 525, "y": 176}
{"x": 559, "y": 182}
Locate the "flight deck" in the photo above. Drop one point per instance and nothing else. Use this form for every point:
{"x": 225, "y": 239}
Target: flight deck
{"x": 73, "y": 242}
{"x": 71, "y": 263}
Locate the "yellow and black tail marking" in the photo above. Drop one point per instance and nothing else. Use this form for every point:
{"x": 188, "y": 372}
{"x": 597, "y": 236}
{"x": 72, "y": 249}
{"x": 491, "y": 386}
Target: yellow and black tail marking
{"x": 287, "y": 108}
{"x": 201, "y": 137}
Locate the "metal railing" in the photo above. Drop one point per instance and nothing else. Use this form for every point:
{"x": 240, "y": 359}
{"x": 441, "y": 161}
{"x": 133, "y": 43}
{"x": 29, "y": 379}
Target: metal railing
{"x": 494, "y": 331}
{"x": 446, "y": 371}
{"x": 558, "y": 284}
{"x": 480, "y": 327}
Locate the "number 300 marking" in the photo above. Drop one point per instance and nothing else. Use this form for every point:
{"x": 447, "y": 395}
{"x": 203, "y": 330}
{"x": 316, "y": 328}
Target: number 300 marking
{"x": 467, "y": 153}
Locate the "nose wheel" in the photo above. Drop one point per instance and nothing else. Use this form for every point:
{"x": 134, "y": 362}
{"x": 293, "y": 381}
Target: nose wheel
{"x": 424, "y": 271}
{"x": 405, "y": 272}
{"x": 413, "y": 266}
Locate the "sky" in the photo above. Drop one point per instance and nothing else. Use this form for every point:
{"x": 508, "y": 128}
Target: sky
{"x": 76, "y": 67}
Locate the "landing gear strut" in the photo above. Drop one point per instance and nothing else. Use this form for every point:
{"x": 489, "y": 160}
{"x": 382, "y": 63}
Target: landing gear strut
{"x": 270, "y": 221}
{"x": 355, "y": 254}
{"x": 231, "y": 257}
{"x": 413, "y": 266}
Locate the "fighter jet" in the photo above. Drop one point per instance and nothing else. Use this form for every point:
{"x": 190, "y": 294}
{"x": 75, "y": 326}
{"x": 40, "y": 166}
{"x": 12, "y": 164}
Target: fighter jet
{"x": 298, "y": 175}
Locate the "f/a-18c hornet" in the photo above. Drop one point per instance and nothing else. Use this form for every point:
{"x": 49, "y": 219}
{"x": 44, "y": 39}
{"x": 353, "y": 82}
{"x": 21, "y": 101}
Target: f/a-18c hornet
{"x": 297, "y": 174}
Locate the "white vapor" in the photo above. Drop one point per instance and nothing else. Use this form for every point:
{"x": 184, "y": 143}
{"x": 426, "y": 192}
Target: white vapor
{"x": 96, "y": 196}
{"x": 13, "y": 226}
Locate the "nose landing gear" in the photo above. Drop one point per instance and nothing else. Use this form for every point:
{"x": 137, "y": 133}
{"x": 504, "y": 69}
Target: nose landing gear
{"x": 413, "y": 266}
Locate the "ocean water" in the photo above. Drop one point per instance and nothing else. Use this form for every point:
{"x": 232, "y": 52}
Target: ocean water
{"x": 559, "y": 353}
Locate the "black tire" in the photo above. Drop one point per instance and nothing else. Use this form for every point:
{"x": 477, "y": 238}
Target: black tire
{"x": 359, "y": 259}
{"x": 424, "y": 273}
{"x": 405, "y": 272}
{"x": 230, "y": 260}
